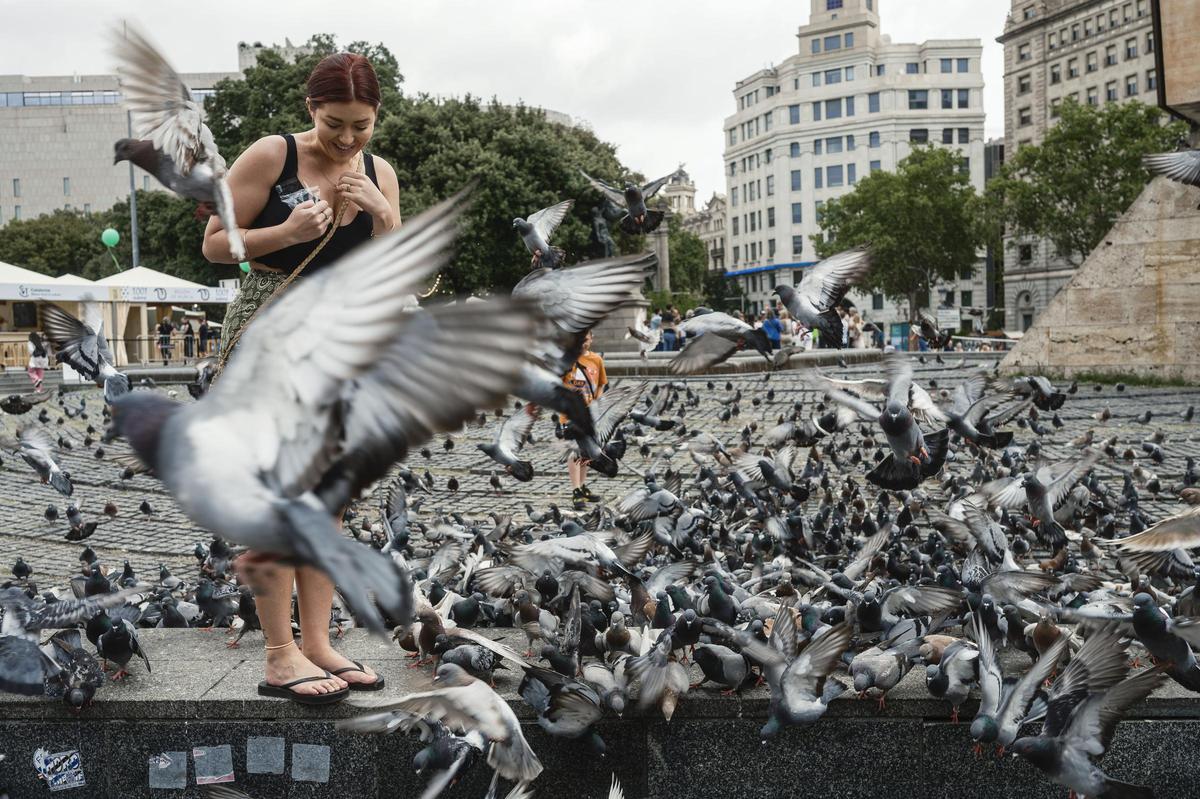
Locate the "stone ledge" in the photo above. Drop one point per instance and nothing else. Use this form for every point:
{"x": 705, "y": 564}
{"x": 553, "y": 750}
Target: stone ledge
{"x": 202, "y": 694}
{"x": 658, "y": 363}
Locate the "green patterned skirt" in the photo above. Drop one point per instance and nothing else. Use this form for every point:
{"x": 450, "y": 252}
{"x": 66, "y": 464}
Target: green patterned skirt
{"x": 256, "y": 288}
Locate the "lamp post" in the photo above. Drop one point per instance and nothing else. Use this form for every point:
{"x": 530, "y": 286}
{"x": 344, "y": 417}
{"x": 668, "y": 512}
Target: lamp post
{"x": 133, "y": 231}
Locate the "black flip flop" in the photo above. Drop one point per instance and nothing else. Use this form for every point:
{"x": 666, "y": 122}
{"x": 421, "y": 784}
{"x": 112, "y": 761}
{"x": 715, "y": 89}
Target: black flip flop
{"x": 284, "y": 692}
{"x": 360, "y": 686}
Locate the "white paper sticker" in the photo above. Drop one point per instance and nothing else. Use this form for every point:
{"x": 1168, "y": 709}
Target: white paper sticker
{"x": 61, "y": 770}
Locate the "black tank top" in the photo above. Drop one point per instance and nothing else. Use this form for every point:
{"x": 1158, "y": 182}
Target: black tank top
{"x": 277, "y": 210}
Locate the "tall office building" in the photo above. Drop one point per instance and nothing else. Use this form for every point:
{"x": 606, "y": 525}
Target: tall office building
{"x": 849, "y": 102}
{"x": 1090, "y": 51}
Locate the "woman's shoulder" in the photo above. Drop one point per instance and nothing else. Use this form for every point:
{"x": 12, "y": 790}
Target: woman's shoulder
{"x": 266, "y": 151}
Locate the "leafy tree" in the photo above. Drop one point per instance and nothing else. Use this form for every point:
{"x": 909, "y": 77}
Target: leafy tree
{"x": 519, "y": 162}
{"x": 53, "y": 244}
{"x": 1085, "y": 173}
{"x": 921, "y": 222}
{"x": 689, "y": 257}
{"x": 270, "y": 97}
{"x": 721, "y": 293}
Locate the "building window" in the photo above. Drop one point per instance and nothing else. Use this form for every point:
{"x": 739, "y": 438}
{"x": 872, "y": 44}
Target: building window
{"x": 873, "y": 102}
{"x": 1130, "y": 49}
{"x": 1149, "y": 43}
{"x": 1093, "y": 96}
{"x": 818, "y": 178}
{"x": 851, "y": 174}
{"x": 1131, "y": 85}
{"x": 771, "y": 216}
{"x": 1025, "y": 116}
{"x": 849, "y": 73}
{"x": 1087, "y": 28}
{"x": 833, "y": 76}
{"x": 794, "y": 114}
{"x": 820, "y": 210}
{"x": 918, "y": 135}
{"x": 1053, "y": 40}
{"x": 1127, "y": 11}
{"x": 964, "y": 98}
{"x": 797, "y": 213}
{"x": 947, "y": 98}
{"x": 833, "y": 108}
{"x": 732, "y": 168}
{"x": 87, "y": 208}
{"x": 1092, "y": 62}
{"x": 770, "y": 185}
{"x": 876, "y": 302}
{"x": 736, "y": 225}
{"x": 732, "y": 136}
{"x": 964, "y": 65}
{"x": 796, "y": 182}
{"x": 918, "y": 99}
{"x": 947, "y": 135}
{"x": 849, "y": 40}
{"x": 1027, "y": 12}
{"x": 767, "y": 155}
{"x": 1024, "y": 84}
{"x": 1151, "y": 80}
{"x": 1055, "y": 74}
{"x": 964, "y": 135}
{"x": 816, "y": 111}
{"x": 912, "y": 68}
{"x": 794, "y": 149}
{"x": 733, "y": 194}
{"x": 1023, "y": 52}
{"x": 66, "y": 187}
{"x": 816, "y": 79}
{"x": 797, "y": 245}
{"x": 1025, "y": 253}
{"x": 830, "y": 5}
{"x": 1073, "y": 68}
{"x": 850, "y": 142}
{"x": 771, "y": 252}
{"x": 1141, "y": 8}
{"x": 875, "y": 166}
{"x": 818, "y": 146}
{"x": 737, "y": 253}
{"x": 873, "y": 139}
{"x": 816, "y": 48}
{"x": 833, "y": 176}
{"x": 1075, "y": 32}
{"x": 880, "y": 69}
{"x": 16, "y": 212}
{"x": 947, "y": 65}
{"x": 965, "y": 297}
{"x": 849, "y": 106}
{"x": 832, "y": 43}
{"x": 1110, "y": 56}
{"x": 1110, "y": 91}
{"x": 833, "y": 145}
{"x": 16, "y": 187}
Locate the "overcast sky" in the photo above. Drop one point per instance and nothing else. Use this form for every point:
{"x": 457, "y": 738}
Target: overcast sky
{"x": 654, "y": 77}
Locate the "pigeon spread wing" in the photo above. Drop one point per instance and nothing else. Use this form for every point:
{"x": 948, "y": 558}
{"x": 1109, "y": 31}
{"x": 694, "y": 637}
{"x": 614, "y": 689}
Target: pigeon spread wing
{"x": 1183, "y": 166}
{"x": 826, "y": 284}
{"x": 86, "y": 350}
{"x": 577, "y": 298}
{"x": 287, "y": 372}
{"x": 614, "y": 194}
{"x": 865, "y": 410}
{"x": 702, "y": 352}
{"x": 547, "y": 220}
{"x": 652, "y": 188}
{"x": 162, "y": 102}
{"x": 1175, "y": 532}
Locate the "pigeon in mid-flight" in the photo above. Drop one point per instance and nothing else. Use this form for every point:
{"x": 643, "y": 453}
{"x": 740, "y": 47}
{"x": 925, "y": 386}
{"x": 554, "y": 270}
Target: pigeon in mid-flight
{"x": 35, "y": 446}
{"x": 814, "y": 302}
{"x": 1181, "y": 167}
{"x": 713, "y": 337}
{"x": 174, "y": 144}
{"x": 632, "y": 198}
{"x": 84, "y": 350}
{"x": 329, "y": 387}
{"x": 536, "y": 231}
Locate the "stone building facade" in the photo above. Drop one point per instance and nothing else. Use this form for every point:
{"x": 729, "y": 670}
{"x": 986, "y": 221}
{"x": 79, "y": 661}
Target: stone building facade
{"x": 1090, "y": 51}
{"x": 850, "y": 101}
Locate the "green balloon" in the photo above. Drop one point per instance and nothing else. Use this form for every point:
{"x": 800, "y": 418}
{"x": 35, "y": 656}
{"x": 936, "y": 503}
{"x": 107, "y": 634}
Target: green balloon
{"x": 110, "y": 237}
{"x": 245, "y": 266}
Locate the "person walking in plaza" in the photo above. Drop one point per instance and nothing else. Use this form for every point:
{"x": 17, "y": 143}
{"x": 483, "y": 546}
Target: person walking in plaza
{"x": 203, "y": 335}
{"x": 773, "y": 328}
{"x": 670, "y": 323}
{"x": 189, "y": 340}
{"x": 303, "y": 201}
{"x": 165, "y": 329}
{"x": 39, "y": 361}
{"x": 587, "y": 377}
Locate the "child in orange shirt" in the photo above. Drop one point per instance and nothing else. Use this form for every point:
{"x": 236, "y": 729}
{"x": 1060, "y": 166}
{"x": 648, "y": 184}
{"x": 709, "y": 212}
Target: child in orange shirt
{"x": 587, "y": 377}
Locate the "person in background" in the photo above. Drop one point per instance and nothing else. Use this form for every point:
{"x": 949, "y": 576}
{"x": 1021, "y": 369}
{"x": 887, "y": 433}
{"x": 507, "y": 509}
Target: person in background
{"x": 773, "y": 328}
{"x": 913, "y": 338}
{"x": 670, "y": 322}
{"x": 189, "y": 340}
{"x": 39, "y": 361}
{"x": 165, "y": 329}
{"x": 587, "y": 377}
{"x": 789, "y": 329}
{"x": 203, "y": 335}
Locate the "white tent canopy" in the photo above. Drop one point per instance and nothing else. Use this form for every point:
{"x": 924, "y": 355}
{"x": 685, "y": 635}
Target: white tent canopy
{"x": 142, "y": 284}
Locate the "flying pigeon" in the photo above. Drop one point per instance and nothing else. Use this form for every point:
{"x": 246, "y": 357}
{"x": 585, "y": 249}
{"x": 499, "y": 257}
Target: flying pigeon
{"x": 632, "y": 198}
{"x": 536, "y": 232}
{"x": 84, "y": 350}
{"x": 814, "y": 302}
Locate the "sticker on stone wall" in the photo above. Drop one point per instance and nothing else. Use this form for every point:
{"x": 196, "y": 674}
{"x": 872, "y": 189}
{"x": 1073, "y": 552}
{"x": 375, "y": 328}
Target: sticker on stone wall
{"x": 310, "y": 763}
{"x": 168, "y": 770}
{"x": 264, "y": 755}
{"x": 213, "y": 764}
{"x": 61, "y": 770}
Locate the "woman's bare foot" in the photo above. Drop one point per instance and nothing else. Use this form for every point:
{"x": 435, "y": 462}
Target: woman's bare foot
{"x": 289, "y": 663}
{"x": 331, "y": 660}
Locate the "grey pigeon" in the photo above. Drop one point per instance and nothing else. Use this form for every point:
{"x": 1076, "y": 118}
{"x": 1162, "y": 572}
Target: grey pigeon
{"x": 536, "y": 231}
{"x": 510, "y": 436}
{"x": 84, "y": 350}
{"x": 814, "y": 302}
{"x": 176, "y": 146}
{"x": 35, "y": 446}
{"x": 712, "y": 338}
{"x": 1043, "y": 490}
{"x": 632, "y": 199}
{"x": 79, "y": 674}
{"x": 327, "y": 389}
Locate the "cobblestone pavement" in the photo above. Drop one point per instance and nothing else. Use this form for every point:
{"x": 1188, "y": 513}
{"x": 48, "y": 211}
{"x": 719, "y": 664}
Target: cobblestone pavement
{"x": 166, "y": 536}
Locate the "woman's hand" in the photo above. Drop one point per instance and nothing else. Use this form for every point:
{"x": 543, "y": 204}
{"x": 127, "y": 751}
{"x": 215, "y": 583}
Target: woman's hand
{"x": 308, "y": 220}
{"x": 360, "y": 190}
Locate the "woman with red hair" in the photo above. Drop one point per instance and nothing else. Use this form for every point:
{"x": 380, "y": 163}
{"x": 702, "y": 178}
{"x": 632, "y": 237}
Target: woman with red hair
{"x": 302, "y": 201}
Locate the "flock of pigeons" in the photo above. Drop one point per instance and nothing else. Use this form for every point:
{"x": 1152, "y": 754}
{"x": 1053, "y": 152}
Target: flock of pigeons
{"x": 813, "y": 555}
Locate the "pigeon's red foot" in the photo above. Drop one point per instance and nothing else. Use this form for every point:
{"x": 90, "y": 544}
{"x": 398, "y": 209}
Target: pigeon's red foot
{"x": 999, "y": 751}
{"x": 978, "y": 750}
{"x": 954, "y": 715}
{"x": 232, "y": 645}
{"x": 729, "y": 692}
{"x": 120, "y": 674}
